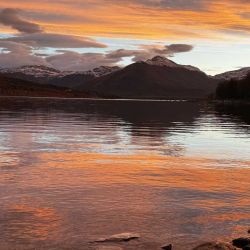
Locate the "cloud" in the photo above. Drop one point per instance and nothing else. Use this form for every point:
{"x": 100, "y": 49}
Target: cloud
{"x": 170, "y": 4}
{"x": 148, "y": 51}
{"x": 33, "y": 35}
{"x": 55, "y": 41}
{"x": 12, "y": 18}
{"x": 69, "y": 60}
{"x": 16, "y": 55}
{"x": 23, "y": 48}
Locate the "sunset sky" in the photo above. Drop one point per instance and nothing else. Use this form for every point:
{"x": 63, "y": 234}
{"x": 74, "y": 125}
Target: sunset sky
{"x": 81, "y": 34}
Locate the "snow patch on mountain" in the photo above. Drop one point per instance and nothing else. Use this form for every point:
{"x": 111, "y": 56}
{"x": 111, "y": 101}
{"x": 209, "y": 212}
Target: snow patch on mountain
{"x": 163, "y": 61}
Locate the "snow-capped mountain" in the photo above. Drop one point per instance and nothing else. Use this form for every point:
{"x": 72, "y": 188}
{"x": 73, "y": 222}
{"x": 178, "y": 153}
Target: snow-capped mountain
{"x": 163, "y": 61}
{"x": 43, "y": 71}
{"x": 235, "y": 74}
{"x": 33, "y": 70}
{"x": 46, "y": 75}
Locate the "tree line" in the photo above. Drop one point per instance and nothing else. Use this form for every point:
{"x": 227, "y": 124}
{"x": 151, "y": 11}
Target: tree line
{"x": 234, "y": 89}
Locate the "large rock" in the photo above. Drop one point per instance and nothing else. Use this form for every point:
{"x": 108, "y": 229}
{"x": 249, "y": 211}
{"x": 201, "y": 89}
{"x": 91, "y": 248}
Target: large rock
{"x": 123, "y": 237}
{"x": 167, "y": 247}
{"x": 241, "y": 242}
{"x": 215, "y": 246}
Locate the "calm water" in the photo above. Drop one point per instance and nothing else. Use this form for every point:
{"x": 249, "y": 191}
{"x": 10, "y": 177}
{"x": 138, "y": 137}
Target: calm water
{"x": 72, "y": 171}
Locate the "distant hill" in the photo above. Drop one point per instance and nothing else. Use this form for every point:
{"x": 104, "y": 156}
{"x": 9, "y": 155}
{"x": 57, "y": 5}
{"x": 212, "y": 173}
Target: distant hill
{"x": 155, "y": 78}
{"x": 17, "y": 87}
{"x": 235, "y": 74}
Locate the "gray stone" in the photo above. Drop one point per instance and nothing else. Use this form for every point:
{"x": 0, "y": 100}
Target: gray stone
{"x": 123, "y": 237}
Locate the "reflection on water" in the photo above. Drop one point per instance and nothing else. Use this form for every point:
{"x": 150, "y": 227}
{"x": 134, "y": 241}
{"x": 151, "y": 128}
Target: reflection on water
{"x": 72, "y": 171}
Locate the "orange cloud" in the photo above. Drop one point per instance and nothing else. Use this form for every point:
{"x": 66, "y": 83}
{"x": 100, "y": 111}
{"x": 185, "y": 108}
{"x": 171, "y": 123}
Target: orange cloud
{"x": 139, "y": 19}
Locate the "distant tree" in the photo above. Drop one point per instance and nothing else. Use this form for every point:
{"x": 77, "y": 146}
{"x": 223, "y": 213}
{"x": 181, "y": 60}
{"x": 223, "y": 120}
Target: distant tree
{"x": 234, "y": 89}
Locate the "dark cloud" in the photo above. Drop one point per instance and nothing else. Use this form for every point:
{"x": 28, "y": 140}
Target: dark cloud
{"x": 55, "y": 41}
{"x": 170, "y": 4}
{"x": 245, "y": 15}
{"x": 179, "y": 48}
{"x": 184, "y": 4}
{"x": 12, "y": 18}
{"x": 33, "y": 35}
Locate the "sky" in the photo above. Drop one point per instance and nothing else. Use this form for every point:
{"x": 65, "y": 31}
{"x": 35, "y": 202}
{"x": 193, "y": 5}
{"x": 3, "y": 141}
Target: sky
{"x": 213, "y": 35}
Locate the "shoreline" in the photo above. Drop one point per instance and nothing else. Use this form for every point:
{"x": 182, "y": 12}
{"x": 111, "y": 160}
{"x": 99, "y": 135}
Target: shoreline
{"x": 213, "y": 101}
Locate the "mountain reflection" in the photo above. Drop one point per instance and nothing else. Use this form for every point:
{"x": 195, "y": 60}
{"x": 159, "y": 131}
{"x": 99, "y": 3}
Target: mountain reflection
{"x": 144, "y": 125}
{"x": 236, "y": 112}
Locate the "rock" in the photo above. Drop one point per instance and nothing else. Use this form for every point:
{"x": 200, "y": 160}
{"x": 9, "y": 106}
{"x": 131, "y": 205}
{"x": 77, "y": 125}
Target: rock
{"x": 246, "y": 247}
{"x": 241, "y": 242}
{"x": 248, "y": 231}
{"x": 215, "y": 246}
{"x": 167, "y": 247}
{"x": 123, "y": 237}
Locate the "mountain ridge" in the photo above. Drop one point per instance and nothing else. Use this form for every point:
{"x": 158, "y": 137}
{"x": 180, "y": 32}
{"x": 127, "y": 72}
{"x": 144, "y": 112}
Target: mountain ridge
{"x": 158, "y": 77}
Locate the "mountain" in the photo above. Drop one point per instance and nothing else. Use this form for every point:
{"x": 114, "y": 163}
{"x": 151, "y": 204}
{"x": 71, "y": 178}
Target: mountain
{"x": 158, "y": 77}
{"x": 155, "y": 78}
{"x": 235, "y": 74}
{"x": 46, "y": 75}
{"x": 18, "y": 87}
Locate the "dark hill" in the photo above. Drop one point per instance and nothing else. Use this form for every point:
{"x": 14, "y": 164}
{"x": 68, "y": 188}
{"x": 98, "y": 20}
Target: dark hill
{"x": 143, "y": 80}
{"x": 17, "y": 87}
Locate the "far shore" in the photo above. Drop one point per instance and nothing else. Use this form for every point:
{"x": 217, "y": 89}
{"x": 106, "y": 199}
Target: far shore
{"x": 209, "y": 100}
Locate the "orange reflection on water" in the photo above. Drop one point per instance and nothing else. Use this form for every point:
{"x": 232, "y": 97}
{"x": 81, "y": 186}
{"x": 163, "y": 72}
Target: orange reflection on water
{"x": 24, "y": 222}
{"x": 79, "y": 169}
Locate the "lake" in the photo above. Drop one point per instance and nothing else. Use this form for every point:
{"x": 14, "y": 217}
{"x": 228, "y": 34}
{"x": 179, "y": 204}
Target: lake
{"x": 73, "y": 171}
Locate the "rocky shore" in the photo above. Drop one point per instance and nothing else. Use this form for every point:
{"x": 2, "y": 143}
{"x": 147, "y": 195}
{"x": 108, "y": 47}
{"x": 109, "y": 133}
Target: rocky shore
{"x": 235, "y": 244}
